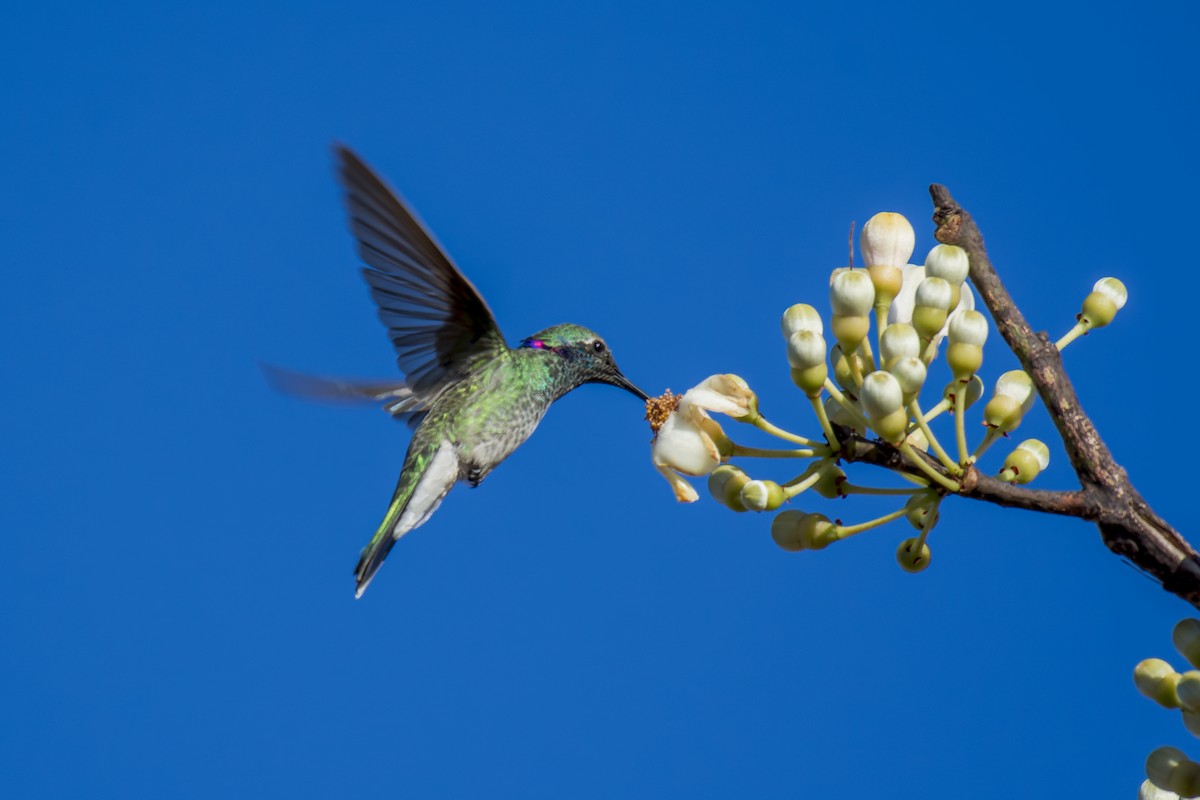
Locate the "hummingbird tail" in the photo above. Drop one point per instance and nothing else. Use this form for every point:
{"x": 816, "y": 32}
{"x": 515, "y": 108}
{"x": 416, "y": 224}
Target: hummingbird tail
{"x": 424, "y": 481}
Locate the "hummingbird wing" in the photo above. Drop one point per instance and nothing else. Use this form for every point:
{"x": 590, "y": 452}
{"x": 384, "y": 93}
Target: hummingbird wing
{"x": 397, "y": 399}
{"x": 437, "y": 321}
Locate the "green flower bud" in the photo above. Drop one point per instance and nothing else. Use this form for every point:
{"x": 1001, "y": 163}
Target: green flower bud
{"x": 850, "y": 331}
{"x": 883, "y": 401}
{"x": 948, "y": 262}
{"x": 1023, "y": 464}
{"x": 887, "y": 238}
{"x": 839, "y": 415}
{"x": 762, "y": 495}
{"x": 1156, "y": 679}
{"x": 912, "y": 558}
{"x": 916, "y": 509}
{"x": 1187, "y": 690}
{"x": 1191, "y": 721}
{"x": 899, "y": 340}
{"x": 968, "y": 332}
{"x": 1185, "y": 779}
{"x": 1107, "y": 298}
{"x": 817, "y": 532}
{"x": 887, "y": 280}
{"x": 785, "y": 529}
{"x": 801, "y": 317}
{"x": 841, "y": 368}
{"x": 1161, "y": 763}
{"x": 829, "y": 485}
{"x": 973, "y": 391}
{"x": 1186, "y": 638}
{"x": 725, "y": 485}
{"x": 1014, "y": 397}
{"x": 795, "y": 530}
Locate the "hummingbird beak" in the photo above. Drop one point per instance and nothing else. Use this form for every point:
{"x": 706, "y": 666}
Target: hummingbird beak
{"x": 617, "y": 379}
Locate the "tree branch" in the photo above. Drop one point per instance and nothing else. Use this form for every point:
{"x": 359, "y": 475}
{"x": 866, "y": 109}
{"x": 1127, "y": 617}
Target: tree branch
{"x": 1128, "y": 526}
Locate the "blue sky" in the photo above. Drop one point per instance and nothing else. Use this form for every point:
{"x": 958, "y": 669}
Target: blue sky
{"x": 176, "y": 597}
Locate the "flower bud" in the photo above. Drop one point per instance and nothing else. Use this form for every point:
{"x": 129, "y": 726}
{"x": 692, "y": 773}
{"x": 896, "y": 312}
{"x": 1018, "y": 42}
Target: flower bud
{"x": 1107, "y": 298}
{"x": 1148, "y": 791}
{"x": 887, "y": 238}
{"x": 883, "y": 401}
{"x": 842, "y": 372}
{"x": 1156, "y": 679}
{"x": 899, "y": 340}
{"x": 1185, "y": 778}
{"x": 1026, "y": 462}
{"x": 1186, "y": 638}
{"x": 801, "y": 317}
{"x": 838, "y": 414}
{"x": 851, "y": 294}
{"x": 910, "y": 373}
{"x": 1187, "y": 690}
{"x": 917, "y": 440}
{"x": 932, "y": 307}
{"x": 968, "y": 332}
{"x": 805, "y": 349}
{"x": 973, "y": 391}
{"x": 762, "y": 495}
{"x": 1014, "y": 397}
{"x": 912, "y": 558}
{"x": 948, "y": 262}
{"x": 916, "y": 510}
{"x": 794, "y": 530}
{"x": 829, "y": 485}
{"x": 1161, "y": 763}
{"x": 725, "y": 485}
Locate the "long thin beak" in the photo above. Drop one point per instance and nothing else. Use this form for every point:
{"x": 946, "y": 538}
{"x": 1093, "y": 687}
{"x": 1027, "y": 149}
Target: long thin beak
{"x": 617, "y": 379}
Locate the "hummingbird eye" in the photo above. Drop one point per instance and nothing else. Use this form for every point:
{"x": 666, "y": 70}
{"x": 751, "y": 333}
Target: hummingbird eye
{"x": 598, "y": 346}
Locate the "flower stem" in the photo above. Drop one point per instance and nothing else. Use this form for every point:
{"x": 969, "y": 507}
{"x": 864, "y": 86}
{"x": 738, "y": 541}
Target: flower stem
{"x": 1079, "y": 330}
{"x": 850, "y": 530}
{"x": 989, "y": 439}
{"x": 850, "y": 488}
{"x": 930, "y": 519}
{"x": 761, "y": 423}
{"x": 914, "y": 408}
{"x": 823, "y": 418}
{"x": 842, "y": 401}
{"x": 960, "y": 425}
{"x": 933, "y": 474}
{"x": 868, "y": 354}
{"x": 761, "y": 452}
{"x": 940, "y": 408}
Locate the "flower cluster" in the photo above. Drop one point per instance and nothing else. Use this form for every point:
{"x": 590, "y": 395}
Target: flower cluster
{"x": 1170, "y": 773}
{"x": 863, "y": 388}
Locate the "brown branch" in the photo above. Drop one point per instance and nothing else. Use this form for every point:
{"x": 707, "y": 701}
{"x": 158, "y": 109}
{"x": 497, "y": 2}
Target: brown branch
{"x": 1128, "y": 526}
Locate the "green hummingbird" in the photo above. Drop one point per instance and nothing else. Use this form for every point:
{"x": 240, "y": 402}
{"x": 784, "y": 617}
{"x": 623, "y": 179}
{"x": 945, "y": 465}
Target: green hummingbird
{"x": 469, "y": 397}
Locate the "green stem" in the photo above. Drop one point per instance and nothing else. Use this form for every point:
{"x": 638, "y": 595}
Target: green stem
{"x": 940, "y": 408}
{"x": 841, "y": 400}
{"x": 989, "y": 439}
{"x": 823, "y": 418}
{"x": 930, "y": 518}
{"x": 849, "y": 530}
{"x": 761, "y": 452}
{"x": 850, "y": 488}
{"x": 1080, "y": 329}
{"x": 960, "y": 425}
{"x": 914, "y": 408}
{"x": 761, "y": 423}
{"x": 865, "y": 346}
{"x": 937, "y": 477}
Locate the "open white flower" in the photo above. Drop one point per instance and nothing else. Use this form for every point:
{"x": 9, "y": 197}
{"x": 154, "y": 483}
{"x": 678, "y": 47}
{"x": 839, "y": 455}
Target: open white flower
{"x": 690, "y": 441}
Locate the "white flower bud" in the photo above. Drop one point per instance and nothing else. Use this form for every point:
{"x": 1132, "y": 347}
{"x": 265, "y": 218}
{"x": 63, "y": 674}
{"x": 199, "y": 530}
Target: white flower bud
{"x": 1186, "y": 638}
{"x": 899, "y": 340}
{"x": 910, "y": 374}
{"x": 883, "y": 401}
{"x": 1012, "y": 400}
{"x": 851, "y": 293}
{"x": 973, "y": 391}
{"x": 948, "y": 262}
{"x": 762, "y": 495}
{"x": 969, "y": 327}
{"x": 934, "y": 293}
{"x": 887, "y": 238}
{"x": 806, "y": 349}
{"x": 1114, "y": 290}
{"x": 801, "y": 317}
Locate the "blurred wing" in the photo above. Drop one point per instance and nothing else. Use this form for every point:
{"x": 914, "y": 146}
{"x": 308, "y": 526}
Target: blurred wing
{"x": 437, "y": 321}
{"x": 395, "y": 396}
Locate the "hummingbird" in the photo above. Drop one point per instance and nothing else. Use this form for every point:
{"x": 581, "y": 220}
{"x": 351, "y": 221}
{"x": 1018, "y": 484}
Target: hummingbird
{"x": 469, "y": 398}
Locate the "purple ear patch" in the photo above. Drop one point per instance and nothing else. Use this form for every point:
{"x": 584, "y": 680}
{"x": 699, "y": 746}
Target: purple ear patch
{"x": 536, "y": 344}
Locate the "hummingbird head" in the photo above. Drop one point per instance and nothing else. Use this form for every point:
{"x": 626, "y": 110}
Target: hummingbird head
{"x": 586, "y": 357}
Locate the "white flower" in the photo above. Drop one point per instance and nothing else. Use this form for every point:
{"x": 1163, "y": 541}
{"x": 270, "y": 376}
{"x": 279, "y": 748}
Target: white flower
{"x": 689, "y": 441}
